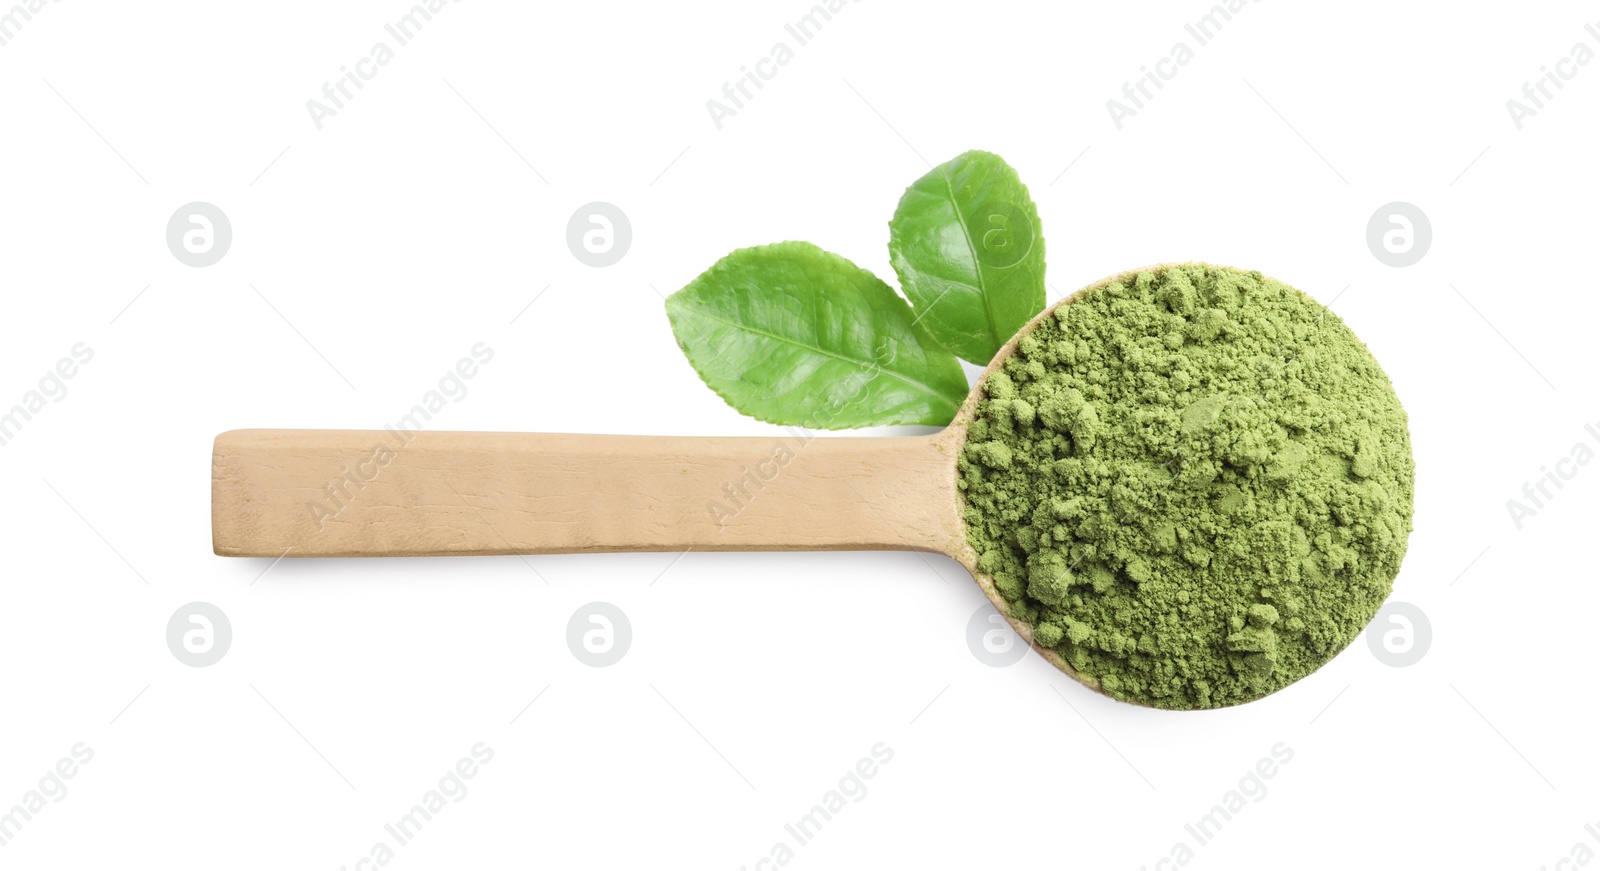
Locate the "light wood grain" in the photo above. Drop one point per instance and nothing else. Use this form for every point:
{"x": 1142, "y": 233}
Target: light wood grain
{"x": 377, "y": 493}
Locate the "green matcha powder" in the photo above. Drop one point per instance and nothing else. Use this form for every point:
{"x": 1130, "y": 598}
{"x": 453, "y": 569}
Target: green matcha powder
{"x": 1195, "y": 485}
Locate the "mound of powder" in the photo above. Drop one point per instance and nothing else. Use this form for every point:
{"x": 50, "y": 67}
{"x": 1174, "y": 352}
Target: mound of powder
{"x": 1195, "y": 485}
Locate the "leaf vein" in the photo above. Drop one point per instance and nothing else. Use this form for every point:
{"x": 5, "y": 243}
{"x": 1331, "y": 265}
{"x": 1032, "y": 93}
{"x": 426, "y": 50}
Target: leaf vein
{"x": 977, "y": 264}
{"x": 924, "y": 386}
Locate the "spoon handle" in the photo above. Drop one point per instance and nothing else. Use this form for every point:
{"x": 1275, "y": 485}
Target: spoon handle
{"x": 384, "y": 493}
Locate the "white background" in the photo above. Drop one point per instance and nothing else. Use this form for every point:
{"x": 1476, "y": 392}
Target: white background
{"x": 408, "y": 229}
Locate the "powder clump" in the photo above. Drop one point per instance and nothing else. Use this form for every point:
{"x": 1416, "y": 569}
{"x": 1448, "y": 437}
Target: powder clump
{"x": 1194, "y": 482}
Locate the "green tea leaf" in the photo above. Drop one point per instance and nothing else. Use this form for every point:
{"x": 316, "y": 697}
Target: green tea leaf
{"x": 792, "y": 334}
{"x": 967, "y": 245}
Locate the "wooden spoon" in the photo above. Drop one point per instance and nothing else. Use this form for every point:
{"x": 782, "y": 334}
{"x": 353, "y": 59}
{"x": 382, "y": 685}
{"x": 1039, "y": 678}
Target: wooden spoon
{"x": 342, "y": 493}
